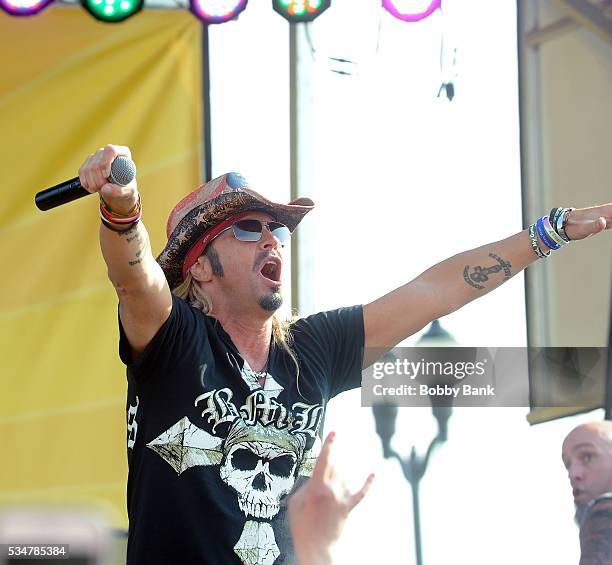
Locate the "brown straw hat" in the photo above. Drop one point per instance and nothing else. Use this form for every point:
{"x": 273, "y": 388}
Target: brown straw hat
{"x": 201, "y": 215}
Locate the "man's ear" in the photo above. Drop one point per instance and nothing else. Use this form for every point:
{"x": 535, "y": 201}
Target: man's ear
{"x": 201, "y": 270}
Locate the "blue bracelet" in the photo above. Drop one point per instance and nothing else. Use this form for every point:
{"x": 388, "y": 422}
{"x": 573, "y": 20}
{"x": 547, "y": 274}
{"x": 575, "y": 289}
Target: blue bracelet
{"x": 544, "y": 236}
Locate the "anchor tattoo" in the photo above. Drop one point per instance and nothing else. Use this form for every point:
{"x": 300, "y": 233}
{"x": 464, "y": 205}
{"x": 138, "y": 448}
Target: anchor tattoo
{"x": 481, "y": 274}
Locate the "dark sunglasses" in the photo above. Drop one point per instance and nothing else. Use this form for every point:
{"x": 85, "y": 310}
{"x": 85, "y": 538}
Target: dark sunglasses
{"x": 251, "y": 230}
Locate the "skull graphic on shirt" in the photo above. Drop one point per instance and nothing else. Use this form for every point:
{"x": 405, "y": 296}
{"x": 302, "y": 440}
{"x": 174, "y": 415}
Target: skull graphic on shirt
{"x": 259, "y": 459}
{"x": 260, "y": 466}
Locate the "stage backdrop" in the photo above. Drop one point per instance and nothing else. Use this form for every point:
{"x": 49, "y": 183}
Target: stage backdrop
{"x": 69, "y": 85}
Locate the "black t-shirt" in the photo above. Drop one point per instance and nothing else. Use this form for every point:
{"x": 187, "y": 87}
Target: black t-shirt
{"x": 212, "y": 455}
{"x": 596, "y": 532}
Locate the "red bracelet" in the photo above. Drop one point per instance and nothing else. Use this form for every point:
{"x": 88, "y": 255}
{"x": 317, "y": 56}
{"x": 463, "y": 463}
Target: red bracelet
{"x": 115, "y": 216}
{"x": 104, "y": 214}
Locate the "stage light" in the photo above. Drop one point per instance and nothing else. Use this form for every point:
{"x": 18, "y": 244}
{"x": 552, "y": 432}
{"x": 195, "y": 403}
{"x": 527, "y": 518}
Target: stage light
{"x": 112, "y": 10}
{"x": 300, "y": 10}
{"x": 411, "y": 10}
{"x": 216, "y": 11}
{"x": 23, "y": 7}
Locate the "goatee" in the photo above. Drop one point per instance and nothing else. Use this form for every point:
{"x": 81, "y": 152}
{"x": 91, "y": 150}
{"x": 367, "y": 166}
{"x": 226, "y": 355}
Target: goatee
{"x": 271, "y": 302}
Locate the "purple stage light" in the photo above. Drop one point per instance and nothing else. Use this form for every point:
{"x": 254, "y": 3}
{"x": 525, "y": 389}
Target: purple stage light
{"x": 411, "y": 10}
{"x": 216, "y": 11}
{"x": 23, "y": 7}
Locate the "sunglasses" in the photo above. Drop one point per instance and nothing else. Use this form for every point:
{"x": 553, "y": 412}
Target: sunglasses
{"x": 252, "y": 230}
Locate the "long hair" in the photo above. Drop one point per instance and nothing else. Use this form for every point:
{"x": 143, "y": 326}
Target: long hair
{"x": 190, "y": 291}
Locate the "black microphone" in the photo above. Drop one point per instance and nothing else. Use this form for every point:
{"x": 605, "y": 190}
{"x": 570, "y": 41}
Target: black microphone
{"x": 123, "y": 171}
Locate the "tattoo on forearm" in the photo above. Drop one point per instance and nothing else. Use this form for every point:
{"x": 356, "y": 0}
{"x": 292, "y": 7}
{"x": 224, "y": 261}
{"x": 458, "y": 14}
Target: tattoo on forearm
{"x": 135, "y": 239}
{"x": 481, "y": 274}
{"x": 138, "y": 255}
{"x": 129, "y": 231}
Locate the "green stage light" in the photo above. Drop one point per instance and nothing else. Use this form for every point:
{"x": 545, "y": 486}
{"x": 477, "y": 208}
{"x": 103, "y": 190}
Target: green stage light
{"x": 300, "y": 10}
{"x": 112, "y": 10}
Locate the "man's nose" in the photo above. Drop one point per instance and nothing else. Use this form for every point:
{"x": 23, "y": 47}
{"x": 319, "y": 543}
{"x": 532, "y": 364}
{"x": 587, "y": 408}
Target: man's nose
{"x": 268, "y": 239}
{"x": 575, "y": 472}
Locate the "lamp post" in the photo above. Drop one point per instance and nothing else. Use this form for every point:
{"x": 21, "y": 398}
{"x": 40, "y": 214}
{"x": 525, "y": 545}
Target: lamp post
{"x": 414, "y": 467}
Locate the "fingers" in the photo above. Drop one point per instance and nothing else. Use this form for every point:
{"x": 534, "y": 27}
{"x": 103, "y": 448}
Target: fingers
{"x": 84, "y": 174}
{"x": 596, "y": 226}
{"x": 325, "y": 474}
{"x": 356, "y": 498}
{"x": 321, "y": 470}
{"x": 114, "y": 191}
{"x": 585, "y": 222}
{"x": 604, "y": 224}
{"x": 94, "y": 172}
{"x": 605, "y": 212}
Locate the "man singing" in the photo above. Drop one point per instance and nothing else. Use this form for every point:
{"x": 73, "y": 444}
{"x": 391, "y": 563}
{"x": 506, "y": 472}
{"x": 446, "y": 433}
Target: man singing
{"x": 225, "y": 402}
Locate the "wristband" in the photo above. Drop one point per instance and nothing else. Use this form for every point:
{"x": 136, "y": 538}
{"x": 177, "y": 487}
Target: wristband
{"x": 109, "y": 217}
{"x": 115, "y": 216}
{"x": 552, "y": 233}
{"x": 534, "y": 243}
{"x": 562, "y": 221}
{"x": 553, "y": 216}
{"x": 124, "y": 220}
{"x": 111, "y": 227}
{"x": 544, "y": 237}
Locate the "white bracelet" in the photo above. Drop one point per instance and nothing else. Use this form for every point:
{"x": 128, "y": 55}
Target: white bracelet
{"x": 534, "y": 243}
{"x": 551, "y": 232}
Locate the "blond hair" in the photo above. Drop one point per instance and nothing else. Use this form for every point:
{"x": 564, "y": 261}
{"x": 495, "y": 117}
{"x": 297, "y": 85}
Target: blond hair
{"x": 190, "y": 291}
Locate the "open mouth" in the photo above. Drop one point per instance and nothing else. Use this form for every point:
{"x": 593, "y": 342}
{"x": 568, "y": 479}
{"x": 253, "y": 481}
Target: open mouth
{"x": 271, "y": 269}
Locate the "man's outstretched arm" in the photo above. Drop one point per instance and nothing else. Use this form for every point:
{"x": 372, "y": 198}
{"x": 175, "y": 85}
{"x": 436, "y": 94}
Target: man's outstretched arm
{"x": 144, "y": 296}
{"x": 451, "y": 284}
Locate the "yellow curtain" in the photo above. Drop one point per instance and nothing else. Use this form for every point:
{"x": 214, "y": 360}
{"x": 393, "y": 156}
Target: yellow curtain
{"x": 69, "y": 85}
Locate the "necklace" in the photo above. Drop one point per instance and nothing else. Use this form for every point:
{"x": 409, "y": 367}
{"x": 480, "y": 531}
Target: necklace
{"x": 261, "y": 375}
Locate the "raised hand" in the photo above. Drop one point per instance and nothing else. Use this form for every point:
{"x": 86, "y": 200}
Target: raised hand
{"x": 318, "y": 510}
{"x": 94, "y": 173}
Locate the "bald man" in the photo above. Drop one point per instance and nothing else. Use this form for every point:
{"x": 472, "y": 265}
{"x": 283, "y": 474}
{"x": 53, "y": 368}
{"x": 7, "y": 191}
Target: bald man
{"x": 587, "y": 455}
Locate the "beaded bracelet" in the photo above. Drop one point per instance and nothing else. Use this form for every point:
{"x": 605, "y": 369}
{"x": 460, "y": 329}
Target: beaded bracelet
{"x": 535, "y": 244}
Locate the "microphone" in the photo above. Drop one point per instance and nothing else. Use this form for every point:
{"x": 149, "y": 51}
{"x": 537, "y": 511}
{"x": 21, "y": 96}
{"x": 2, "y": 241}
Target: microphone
{"x": 123, "y": 171}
